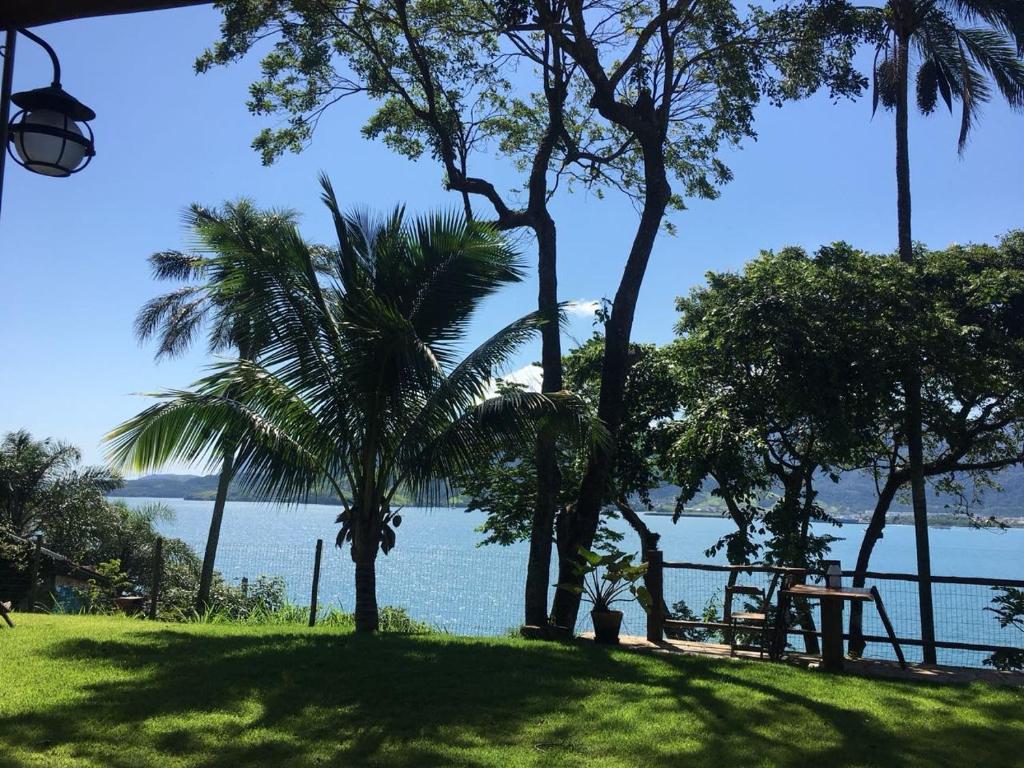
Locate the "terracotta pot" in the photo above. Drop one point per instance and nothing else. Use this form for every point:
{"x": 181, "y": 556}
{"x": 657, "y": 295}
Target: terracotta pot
{"x": 606, "y": 626}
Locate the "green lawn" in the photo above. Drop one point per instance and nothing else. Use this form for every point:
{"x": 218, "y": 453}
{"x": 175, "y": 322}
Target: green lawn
{"x": 128, "y": 694}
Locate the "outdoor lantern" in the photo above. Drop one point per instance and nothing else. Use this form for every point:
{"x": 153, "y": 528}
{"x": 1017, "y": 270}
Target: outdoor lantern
{"x": 51, "y": 133}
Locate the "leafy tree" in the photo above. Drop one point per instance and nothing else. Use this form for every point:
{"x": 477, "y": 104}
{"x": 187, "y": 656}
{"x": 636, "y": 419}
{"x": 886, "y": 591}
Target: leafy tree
{"x": 360, "y": 388}
{"x": 785, "y": 374}
{"x": 448, "y": 82}
{"x": 678, "y": 79}
{"x": 794, "y": 372}
{"x": 214, "y": 300}
{"x": 955, "y": 59}
{"x": 501, "y": 485}
{"x": 622, "y": 97}
{"x": 42, "y": 484}
{"x": 969, "y": 326}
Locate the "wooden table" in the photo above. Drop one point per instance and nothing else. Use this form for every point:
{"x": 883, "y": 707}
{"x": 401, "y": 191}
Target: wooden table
{"x": 832, "y": 618}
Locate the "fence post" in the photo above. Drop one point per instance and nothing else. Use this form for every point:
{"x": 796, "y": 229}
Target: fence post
{"x": 29, "y": 603}
{"x": 316, "y": 581}
{"x": 158, "y": 567}
{"x": 655, "y": 583}
{"x": 245, "y": 586}
{"x": 924, "y": 597}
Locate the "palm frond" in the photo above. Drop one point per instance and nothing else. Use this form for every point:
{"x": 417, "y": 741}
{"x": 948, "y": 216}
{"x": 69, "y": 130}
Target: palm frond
{"x": 508, "y": 420}
{"x": 1004, "y": 16}
{"x": 175, "y": 317}
{"x": 175, "y": 265}
{"x": 994, "y": 53}
{"x": 270, "y": 434}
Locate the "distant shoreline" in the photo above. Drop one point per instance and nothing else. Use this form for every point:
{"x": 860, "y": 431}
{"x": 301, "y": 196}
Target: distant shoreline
{"x": 939, "y": 521}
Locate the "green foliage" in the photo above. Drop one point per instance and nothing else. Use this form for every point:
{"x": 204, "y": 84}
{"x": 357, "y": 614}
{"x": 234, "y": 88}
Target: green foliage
{"x": 784, "y": 372}
{"x": 680, "y": 611}
{"x": 1008, "y": 606}
{"x": 213, "y": 297}
{"x": 43, "y": 486}
{"x": 792, "y": 374}
{"x": 99, "y": 596}
{"x": 457, "y": 80}
{"x": 272, "y": 609}
{"x": 962, "y": 50}
{"x": 607, "y": 579}
{"x": 504, "y": 485}
{"x": 361, "y": 387}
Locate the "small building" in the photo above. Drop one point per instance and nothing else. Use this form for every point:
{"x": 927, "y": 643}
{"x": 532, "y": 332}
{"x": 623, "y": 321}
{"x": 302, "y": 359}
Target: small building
{"x": 31, "y": 574}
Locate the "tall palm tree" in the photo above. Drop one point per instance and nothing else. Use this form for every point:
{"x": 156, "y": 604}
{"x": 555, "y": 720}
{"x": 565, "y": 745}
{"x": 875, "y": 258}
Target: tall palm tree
{"x": 213, "y": 299}
{"x": 360, "y": 389}
{"x": 959, "y": 47}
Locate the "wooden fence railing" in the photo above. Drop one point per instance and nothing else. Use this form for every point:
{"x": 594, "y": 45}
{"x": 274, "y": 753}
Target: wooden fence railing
{"x": 658, "y": 621}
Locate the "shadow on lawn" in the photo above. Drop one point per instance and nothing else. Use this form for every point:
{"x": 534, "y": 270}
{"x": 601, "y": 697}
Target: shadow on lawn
{"x": 306, "y": 699}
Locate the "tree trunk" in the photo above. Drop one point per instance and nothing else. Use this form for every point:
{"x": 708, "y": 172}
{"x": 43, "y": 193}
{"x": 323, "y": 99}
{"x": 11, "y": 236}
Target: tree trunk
{"x": 365, "y": 545}
{"x": 367, "y": 616}
{"x": 581, "y": 526}
{"x": 227, "y": 471}
{"x": 872, "y": 535}
{"x": 912, "y": 378}
{"x": 538, "y": 572}
{"x": 648, "y": 538}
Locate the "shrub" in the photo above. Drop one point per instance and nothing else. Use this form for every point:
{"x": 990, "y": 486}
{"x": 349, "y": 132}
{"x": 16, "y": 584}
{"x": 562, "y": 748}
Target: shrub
{"x": 1009, "y": 610}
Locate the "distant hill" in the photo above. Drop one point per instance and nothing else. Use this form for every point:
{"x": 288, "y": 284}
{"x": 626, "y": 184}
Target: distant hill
{"x": 853, "y": 495}
{"x": 204, "y": 488}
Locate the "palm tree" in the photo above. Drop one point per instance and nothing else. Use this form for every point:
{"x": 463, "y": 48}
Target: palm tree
{"x": 41, "y": 479}
{"x": 959, "y": 48}
{"x": 360, "y": 389}
{"x": 214, "y": 300}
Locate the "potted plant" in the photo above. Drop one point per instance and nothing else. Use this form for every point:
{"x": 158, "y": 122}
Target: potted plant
{"x": 609, "y": 579}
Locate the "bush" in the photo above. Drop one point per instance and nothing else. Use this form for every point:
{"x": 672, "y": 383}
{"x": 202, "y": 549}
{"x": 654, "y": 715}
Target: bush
{"x": 270, "y": 607}
{"x": 1009, "y": 610}
{"x": 682, "y": 612}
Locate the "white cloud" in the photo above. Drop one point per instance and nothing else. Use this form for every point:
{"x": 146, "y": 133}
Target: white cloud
{"x": 585, "y": 308}
{"x": 529, "y": 376}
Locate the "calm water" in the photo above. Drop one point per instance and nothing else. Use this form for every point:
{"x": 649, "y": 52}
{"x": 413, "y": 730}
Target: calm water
{"x": 440, "y": 575}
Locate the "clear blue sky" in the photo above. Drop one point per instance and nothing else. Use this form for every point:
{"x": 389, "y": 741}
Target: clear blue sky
{"x": 73, "y": 252}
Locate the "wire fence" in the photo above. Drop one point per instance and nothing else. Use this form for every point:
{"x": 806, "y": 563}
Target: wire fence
{"x": 962, "y": 612}
{"x": 479, "y": 591}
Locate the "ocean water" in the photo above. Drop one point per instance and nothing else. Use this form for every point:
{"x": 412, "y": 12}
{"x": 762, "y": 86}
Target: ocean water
{"x": 440, "y": 574}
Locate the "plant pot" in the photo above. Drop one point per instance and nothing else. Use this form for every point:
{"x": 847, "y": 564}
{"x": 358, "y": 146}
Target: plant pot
{"x": 606, "y": 626}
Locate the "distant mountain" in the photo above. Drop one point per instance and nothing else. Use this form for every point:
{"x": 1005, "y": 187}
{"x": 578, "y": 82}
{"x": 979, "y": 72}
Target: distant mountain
{"x": 199, "y": 487}
{"x": 204, "y": 488}
{"x": 853, "y": 495}
{"x": 170, "y": 486}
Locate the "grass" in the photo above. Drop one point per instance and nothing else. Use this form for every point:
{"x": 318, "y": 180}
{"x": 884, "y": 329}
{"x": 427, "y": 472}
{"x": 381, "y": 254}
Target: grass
{"x": 111, "y": 692}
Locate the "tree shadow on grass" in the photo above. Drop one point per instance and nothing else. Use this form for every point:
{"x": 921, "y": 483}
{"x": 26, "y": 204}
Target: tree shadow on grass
{"x": 279, "y": 699}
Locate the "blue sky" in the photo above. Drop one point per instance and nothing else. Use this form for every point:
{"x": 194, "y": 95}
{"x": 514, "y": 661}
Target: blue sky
{"x": 73, "y": 252}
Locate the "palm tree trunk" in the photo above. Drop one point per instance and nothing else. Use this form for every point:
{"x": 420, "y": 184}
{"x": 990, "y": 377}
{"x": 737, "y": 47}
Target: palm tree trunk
{"x": 872, "y": 535}
{"x": 580, "y": 527}
{"x": 538, "y": 571}
{"x": 912, "y": 376}
{"x": 227, "y": 471}
{"x": 367, "y": 616}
